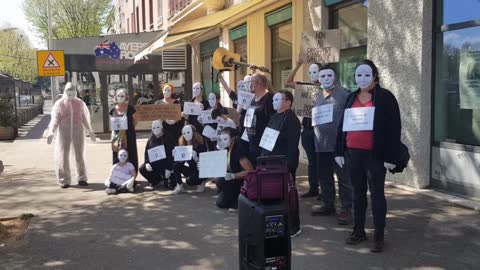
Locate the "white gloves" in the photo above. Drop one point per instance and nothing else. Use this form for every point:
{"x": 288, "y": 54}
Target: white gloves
{"x": 173, "y": 152}
{"x": 195, "y": 156}
{"x": 340, "y": 161}
{"x": 92, "y": 136}
{"x": 50, "y": 139}
{"x": 389, "y": 166}
{"x": 168, "y": 174}
{"x": 229, "y": 176}
{"x": 148, "y": 167}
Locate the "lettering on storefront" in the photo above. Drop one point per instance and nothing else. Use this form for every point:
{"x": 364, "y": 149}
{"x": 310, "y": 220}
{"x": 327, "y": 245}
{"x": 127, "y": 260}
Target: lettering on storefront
{"x": 320, "y": 46}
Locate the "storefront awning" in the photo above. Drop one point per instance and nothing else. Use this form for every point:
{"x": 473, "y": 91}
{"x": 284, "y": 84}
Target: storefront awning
{"x": 158, "y": 42}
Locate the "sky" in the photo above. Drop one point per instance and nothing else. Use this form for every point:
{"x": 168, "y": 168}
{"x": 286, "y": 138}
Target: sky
{"x": 11, "y": 13}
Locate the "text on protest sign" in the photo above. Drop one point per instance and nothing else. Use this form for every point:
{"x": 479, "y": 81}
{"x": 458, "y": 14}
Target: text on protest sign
{"x": 192, "y": 108}
{"x": 305, "y": 96}
{"x": 183, "y": 153}
{"x": 321, "y": 46}
{"x": 158, "y": 111}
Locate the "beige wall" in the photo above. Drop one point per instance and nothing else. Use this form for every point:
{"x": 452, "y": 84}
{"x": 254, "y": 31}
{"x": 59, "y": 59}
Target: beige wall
{"x": 400, "y": 42}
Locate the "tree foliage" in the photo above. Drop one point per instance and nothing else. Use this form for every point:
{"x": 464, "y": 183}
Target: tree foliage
{"x": 17, "y": 56}
{"x": 70, "y": 18}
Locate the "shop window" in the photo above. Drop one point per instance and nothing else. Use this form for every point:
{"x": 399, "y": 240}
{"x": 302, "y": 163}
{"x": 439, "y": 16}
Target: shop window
{"x": 240, "y": 47}
{"x": 351, "y": 19}
{"x": 454, "y": 11}
{"x": 208, "y": 73}
{"x": 281, "y": 53}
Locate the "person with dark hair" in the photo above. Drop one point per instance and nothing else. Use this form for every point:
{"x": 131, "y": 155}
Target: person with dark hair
{"x": 328, "y": 110}
{"x": 197, "y": 91}
{"x": 308, "y": 134}
{"x": 86, "y": 97}
{"x": 220, "y": 115}
{"x": 190, "y": 136}
{"x": 286, "y": 127}
{"x": 368, "y": 143}
{"x": 258, "y": 115}
{"x": 213, "y": 103}
{"x": 237, "y": 168}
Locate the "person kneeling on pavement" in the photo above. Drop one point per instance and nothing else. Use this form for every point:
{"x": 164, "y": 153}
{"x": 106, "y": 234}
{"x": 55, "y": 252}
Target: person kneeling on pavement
{"x": 238, "y": 167}
{"x": 189, "y": 137}
{"x": 122, "y": 176}
{"x": 158, "y": 158}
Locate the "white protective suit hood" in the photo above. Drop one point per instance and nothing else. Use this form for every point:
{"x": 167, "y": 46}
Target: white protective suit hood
{"x": 69, "y": 92}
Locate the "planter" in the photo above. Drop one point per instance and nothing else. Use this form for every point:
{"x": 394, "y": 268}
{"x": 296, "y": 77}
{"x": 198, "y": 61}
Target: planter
{"x": 7, "y": 133}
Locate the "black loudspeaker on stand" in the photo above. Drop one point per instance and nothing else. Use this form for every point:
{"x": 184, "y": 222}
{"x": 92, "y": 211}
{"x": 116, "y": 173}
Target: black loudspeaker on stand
{"x": 263, "y": 235}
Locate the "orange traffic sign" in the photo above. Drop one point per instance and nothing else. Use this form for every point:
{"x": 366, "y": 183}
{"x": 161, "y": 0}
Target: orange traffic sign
{"x": 51, "y": 63}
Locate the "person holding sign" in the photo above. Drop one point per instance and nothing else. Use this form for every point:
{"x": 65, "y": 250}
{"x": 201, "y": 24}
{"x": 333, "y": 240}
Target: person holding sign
{"x": 308, "y": 135}
{"x": 197, "y": 93}
{"x": 220, "y": 115}
{"x": 190, "y": 137}
{"x": 326, "y": 115}
{"x": 232, "y": 94}
{"x": 368, "y": 143}
{"x": 213, "y": 103}
{"x": 238, "y": 167}
{"x": 158, "y": 158}
{"x": 258, "y": 115}
{"x": 123, "y": 121}
{"x": 283, "y": 131}
{"x": 122, "y": 175}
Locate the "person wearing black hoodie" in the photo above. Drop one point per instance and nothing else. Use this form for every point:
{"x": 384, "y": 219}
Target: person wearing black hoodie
{"x": 158, "y": 158}
{"x": 368, "y": 143}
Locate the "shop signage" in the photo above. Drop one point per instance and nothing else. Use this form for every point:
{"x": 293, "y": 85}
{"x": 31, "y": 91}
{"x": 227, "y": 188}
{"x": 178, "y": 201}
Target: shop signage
{"x": 321, "y": 46}
{"x": 305, "y": 96}
{"x": 158, "y": 111}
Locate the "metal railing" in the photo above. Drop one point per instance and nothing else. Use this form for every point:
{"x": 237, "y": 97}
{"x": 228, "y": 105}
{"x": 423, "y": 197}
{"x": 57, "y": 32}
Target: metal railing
{"x": 177, "y": 6}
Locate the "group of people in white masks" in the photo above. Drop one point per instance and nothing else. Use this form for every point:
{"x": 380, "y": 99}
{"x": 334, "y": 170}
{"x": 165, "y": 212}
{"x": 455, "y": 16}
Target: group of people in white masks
{"x": 358, "y": 155}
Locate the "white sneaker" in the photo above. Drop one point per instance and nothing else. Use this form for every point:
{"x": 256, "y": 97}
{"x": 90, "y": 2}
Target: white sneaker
{"x": 178, "y": 189}
{"x": 232, "y": 210}
{"x": 201, "y": 187}
{"x": 110, "y": 191}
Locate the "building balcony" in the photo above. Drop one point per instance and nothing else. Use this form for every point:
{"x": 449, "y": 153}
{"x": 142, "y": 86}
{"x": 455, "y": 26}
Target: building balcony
{"x": 177, "y": 5}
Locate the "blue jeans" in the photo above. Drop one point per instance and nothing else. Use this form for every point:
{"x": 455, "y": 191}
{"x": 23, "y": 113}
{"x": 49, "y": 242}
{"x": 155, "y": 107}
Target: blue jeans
{"x": 308, "y": 143}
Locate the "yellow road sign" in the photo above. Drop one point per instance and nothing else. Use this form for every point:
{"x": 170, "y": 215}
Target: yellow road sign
{"x": 50, "y": 63}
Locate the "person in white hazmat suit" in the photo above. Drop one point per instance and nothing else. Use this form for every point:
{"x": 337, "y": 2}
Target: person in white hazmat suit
{"x": 70, "y": 120}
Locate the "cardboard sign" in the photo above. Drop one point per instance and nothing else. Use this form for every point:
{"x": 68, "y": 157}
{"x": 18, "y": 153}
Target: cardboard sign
{"x": 156, "y": 153}
{"x": 321, "y": 46}
{"x": 207, "y": 117}
{"x": 213, "y": 164}
{"x": 119, "y": 123}
{"x": 192, "y": 108}
{"x": 322, "y": 114}
{"x": 358, "y": 119}
{"x": 183, "y": 153}
{"x": 305, "y": 96}
{"x": 269, "y": 139}
{"x": 153, "y": 112}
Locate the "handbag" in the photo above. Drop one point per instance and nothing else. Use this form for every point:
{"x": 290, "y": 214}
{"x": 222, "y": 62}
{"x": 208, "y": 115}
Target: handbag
{"x": 403, "y": 159}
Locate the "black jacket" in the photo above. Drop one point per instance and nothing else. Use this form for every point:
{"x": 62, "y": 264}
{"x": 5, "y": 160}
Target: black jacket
{"x": 153, "y": 142}
{"x": 386, "y": 126}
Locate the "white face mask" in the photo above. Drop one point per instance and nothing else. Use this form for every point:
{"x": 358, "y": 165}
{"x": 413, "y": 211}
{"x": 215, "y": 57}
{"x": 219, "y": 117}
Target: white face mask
{"x": 247, "y": 82}
{"x": 327, "y": 78}
{"x": 196, "y": 89}
{"x": 313, "y": 71}
{"x": 212, "y": 100}
{"x": 167, "y": 92}
{"x": 69, "y": 92}
{"x": 121, "y": 97}
{"x": 277, "y": 101}
{"x": 224, "y": 141}
{"x": 122, "y": 156}
{"x": 364, "y": 76}
{"x": 240, "y": 86}
{"x": 187, "y": 133}
{"x": 157, "y": 128}
{"x": 220, "y": 120}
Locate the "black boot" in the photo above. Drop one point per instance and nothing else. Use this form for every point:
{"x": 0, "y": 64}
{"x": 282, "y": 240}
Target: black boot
{"x": 356, "y": 237}
{"x": 378, "y": 240}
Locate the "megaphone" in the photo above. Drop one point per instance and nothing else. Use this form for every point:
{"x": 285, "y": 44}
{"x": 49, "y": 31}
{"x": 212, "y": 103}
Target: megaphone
{"x": 224, "y": 60}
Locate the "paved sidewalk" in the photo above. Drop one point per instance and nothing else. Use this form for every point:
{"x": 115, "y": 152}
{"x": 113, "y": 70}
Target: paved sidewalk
{"x": 82, "y": 228}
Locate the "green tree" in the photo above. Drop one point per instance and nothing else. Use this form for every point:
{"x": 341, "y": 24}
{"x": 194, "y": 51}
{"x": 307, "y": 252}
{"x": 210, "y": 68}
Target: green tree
{"x": 70, "y": 18}
{"x": 17, "y": 56}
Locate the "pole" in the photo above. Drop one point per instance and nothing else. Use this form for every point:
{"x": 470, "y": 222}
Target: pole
{"x": 49, "y": 17}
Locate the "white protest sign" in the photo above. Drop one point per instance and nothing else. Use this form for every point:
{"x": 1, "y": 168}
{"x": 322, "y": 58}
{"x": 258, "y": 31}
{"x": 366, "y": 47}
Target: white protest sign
{"x": 358, "y": 119}
{"x": 269, "y": 138}
{"x": 207, "y": 117}
{"x": 245, "y": 136}
{"x": 183, "y": 153}
{"x": 321, "y": 46}
{"x": 247, "y": 122}
{"x": 192, "y": 108}
{"x": 209, "y": 132}
{"x": 245, "y": 98}
{"x": 305, "y": 96}
{"x": 213, "y": 164}
{"x": 119, "y": 123}
{"x": 119, "y": 177}
{"x": 156, "y": 153}
{"x": 322, "y": 114}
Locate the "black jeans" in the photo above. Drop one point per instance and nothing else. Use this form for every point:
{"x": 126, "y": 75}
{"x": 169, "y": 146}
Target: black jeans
{"x": 308, "y": 143}
{"x": 155, "y": 176}
{"x": 294, "y": 206}
{"x": 326, "y": 169}
{"x": 367, "y": 172}
{"x": 190, "y": 171}
{"x": 228, "y": 192}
